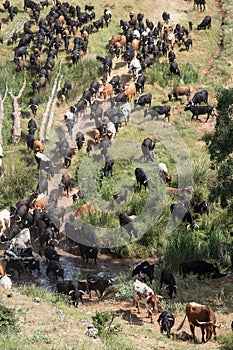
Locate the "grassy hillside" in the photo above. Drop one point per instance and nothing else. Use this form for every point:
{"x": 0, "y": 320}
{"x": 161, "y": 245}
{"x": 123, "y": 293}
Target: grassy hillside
{"x": 51, "y": 324}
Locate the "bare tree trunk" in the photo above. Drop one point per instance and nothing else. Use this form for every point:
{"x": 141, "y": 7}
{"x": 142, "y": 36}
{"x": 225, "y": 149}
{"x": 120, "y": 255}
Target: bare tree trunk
{"x": 2, "y": 100}
{"x": 42, "y": 136}
{"x": 16, "y": 130}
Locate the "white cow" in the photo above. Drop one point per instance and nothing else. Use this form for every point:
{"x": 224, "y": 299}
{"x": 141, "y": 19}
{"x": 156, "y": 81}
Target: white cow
{"x": 162, "y": 171}
{"x": 126, "y": 110}
{"x": 144, "y": 294}
{"x": 6, "y": 282}
{"x": 4, "y": 221}
{"x": 111, "y": 131}
{"x": 135, "y": 67}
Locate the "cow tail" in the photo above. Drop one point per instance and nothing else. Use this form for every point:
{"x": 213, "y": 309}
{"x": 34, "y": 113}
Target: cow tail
{"x": 182, "y": 323}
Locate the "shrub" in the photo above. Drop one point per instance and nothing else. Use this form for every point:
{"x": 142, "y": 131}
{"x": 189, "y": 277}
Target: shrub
{"x": 8, "y": 319}
{"x": 103, "y": 321}
{"x": 226, "y": 342}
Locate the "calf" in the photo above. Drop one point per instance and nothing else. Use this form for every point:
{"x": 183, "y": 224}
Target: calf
{"x": 144, "y": 270}
{"x": 98, "y": 284}
{"x": 143, "y": 100}
{"x": 199, "y": 110}
{"x": 168, "y": 279}
{"x": 141, "y": 178}
{"x": 198, "y": 267}
{"x": 143, "y": 293}
{"x": 166, "y": 321}
{"x": 155, "y": 111}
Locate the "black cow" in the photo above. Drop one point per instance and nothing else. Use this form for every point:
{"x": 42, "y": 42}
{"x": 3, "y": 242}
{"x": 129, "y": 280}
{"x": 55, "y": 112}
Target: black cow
{"x": 201, "y": 207}
{"x": 31, "y": 264}
{"x": 174, "y": 69}
{"x": 42, "y": 186}
{"x": 147, "y": 146}
{"x": 55, "y": 268}
{"x": 155, "y": 111}
{"x": 187, "y": 43}
{"x": 126, "y": 223}
{"x": 180, "y": 211}
{"x": 198, "y": 267}
{"x": 205, "y": 23}
{"x": 50, "y": 253}
{"x": 66, "y": 183}
{"x": 98, "y": 284}
{"x": 107, "y": 16}
{"x": 144, "y": 270}
{"x": 14, "y": 264}
{"x": 140, "y": 83}
{"x": 199, "y": 110}
{"x": 70, "y": 288}
{"x": 200, "y": 96}
{"x": 21, "y": 52}
{"x": 70, "y": 152}
{"x": 143, "y": 100}
{"x": 168, "y": 279}
{"x": 166, "y": 321}
{"x": 108, "y": 166}
{"x": 79, "y": 139}
{"x": 33, "y": 105}
{"x": 199, "y": 4}
{"x": 165, "y": 17}
{"x": 30, "y": 141}
{"x": 6, "y": 5}
{"x": 88, "y": 250}
{"x": 141, "y": 178}
{"x": 171, "y": 56}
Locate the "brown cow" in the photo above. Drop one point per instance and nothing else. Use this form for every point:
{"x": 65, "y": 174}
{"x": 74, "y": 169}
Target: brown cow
{"x": 179, "y": 91}
{"x": 113, "y": 41}
{"x": 200, "y": 316}
{"x": 66, "y": 183}
{"x": 63, "y": 100}
{"x": 40, "y": 202}
{"x": 179, "y": 192}
{"x": 107, "y": 91}
{"x": 97, "y": 136}
{"x": 130, "y": 91}
{"x": 84, "y": 210}
{"x": 38, "y": 146}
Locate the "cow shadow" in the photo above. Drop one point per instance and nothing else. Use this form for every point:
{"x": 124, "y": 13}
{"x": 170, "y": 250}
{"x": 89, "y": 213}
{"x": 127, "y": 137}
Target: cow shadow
{"x": 119, "y": 65}
{"x": 129, "y": 317}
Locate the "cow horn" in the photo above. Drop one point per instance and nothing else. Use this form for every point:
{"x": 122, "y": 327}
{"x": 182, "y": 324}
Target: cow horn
{"x": 71, "y": 291}
{"x": 159, "y": 296}
{"x": 207, "y": 323}
{"x": 170, "y": 319}
{"x": 175, "y": 286}
{"x": 166, "y": 286}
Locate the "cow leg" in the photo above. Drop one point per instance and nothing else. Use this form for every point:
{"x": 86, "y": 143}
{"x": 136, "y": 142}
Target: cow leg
{"x": 192, "y": 328}
{"x": 203, "y": 334}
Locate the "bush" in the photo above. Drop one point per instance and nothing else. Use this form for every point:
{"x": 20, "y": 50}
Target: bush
{"x": 103, "y": 321}
{"x": 8, "y": 319}
{"x": 226, "y": 342}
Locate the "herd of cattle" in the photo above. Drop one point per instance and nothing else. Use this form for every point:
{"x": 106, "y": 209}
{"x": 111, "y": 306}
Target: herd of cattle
{"x": 39, "y": 218}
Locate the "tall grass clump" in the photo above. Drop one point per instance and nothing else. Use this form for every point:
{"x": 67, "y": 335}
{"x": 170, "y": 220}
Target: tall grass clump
{"x": 226, "y": 342}
{"x": 20, "y": 176}
{"x": 8, "y": 319}
{"x": 182, "y": 245}
{"x": 189, "y": 75}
